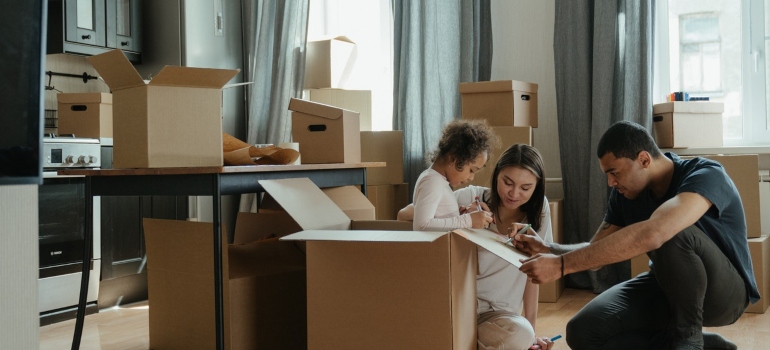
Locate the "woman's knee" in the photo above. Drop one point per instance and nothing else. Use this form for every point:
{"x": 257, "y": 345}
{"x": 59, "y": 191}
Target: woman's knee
{"x": 505, "y": 333}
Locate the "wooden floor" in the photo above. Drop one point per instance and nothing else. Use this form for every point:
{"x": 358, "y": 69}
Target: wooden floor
{"x": 126, "y": 328}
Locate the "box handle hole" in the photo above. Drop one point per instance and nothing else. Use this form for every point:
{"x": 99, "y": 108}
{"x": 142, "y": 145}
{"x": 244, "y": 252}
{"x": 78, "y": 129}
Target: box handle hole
{"x": 79, "y": 108}
{"x": 657, "y": 118}
{"x": 525, "y": 97}
{"x": 316, "y": 127}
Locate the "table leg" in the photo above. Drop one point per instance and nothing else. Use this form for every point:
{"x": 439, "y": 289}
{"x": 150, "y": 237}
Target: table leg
{"x": 218, "y": 282}
{"x": 87, "y": 254}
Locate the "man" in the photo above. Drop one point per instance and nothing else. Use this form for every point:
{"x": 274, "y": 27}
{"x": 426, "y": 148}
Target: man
{"x": 688, "y": 217}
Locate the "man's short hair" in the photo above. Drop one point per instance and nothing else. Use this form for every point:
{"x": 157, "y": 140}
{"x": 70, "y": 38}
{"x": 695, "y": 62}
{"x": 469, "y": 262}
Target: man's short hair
{"x": 626, "y": 139}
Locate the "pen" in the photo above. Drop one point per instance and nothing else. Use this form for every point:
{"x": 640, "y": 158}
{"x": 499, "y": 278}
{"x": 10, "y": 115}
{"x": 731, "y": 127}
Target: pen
{"x": 523, "y": 229}
{"x": 478, "y": 203}
{"x": 556, "y": 338}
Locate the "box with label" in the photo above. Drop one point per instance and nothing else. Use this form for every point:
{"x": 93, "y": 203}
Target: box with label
{"x": 329, "y": 62}
{"x": 501, "y": 103}
{"x": 353, "y": 100}
{"x": 87, "y": 115}
{"x": 759, "y": 248}
{"x": 326, "y": 134}
{"x": 264, "y": 289}
{"x": 175, "y": 120}
{"x": 687, "y": 124}
{"x": 388, "y": 199}
{"x": 509, "y": 135}
{"x": 551, "y": 291}
{"x": 383, "y": 146}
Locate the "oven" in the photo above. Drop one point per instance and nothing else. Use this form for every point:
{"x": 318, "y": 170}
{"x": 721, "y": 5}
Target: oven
{"x": 62, "y": 228}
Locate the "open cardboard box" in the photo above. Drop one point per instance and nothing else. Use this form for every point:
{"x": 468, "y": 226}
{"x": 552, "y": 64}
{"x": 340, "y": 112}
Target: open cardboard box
{"x": 369, "y": 288}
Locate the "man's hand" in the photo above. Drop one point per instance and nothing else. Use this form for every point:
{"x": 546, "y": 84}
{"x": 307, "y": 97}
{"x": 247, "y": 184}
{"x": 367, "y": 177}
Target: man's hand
{"x": 542, "y": 268}
{"x": 528, "y": 242}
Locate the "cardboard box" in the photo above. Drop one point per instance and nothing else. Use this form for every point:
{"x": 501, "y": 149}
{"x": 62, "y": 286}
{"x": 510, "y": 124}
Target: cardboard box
{"x": 551, "y": 291}
{"x": 639, "y": 264}
{"x": 687, "y": 124}
{"x": 434, "y": 274}
{"x": 329, "y": 63}
{"x": 760, "y": 259}
{"x": 383, "y": 146}
{"x": 175, "y": 120}
{"x": 354, "y": 100}
{"x": 86, "y": 115}
{"x": 264, "y": 290}
{"x": 351, "y": 201}
{"x": 764, "y": 207}
{"x": 501, "y": 103}
{"x": 388, "y": 199}
{"x": 325, "y": 134}
{"x": 509, "y": 135}
{"x": 744, "y": 171}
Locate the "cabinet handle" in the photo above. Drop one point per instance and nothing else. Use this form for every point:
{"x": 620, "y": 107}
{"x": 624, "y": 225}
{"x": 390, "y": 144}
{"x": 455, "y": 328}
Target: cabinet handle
{"x": 86, "y": 37}
{"x": 124, "y": 43}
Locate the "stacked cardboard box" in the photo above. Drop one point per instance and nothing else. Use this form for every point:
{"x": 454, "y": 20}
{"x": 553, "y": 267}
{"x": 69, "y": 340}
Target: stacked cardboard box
{"x": 385, "y": 186}
{"x": 355, "y": 100}
{"x": 509, "y": 135}
{"x": 501, "y": 103}
{"x": 326, "y": 134}
{"x": 551, "y": 291}
{"x": 688, "y": 124}
{"x": 85, "y": 115}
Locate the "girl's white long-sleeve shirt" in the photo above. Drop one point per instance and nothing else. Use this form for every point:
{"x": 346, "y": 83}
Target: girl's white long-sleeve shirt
{"x": 435, "y": 205}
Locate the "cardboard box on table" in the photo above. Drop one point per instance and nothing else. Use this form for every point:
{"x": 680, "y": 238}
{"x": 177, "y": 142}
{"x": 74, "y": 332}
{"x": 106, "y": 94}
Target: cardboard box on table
{"x": 86, "y": 115}
{"x": 551, "y": 291}
{"x": 509, "y": 135}
{"x": 353, "y": 100}
{"x": 687, "y": 124}
{"x": 329, "y": 62}
{"x": 374, "y": 289}
{"x": 383, "y": 146}
{"x": 175, "y": 120}
{"x": 388, "y": 199}
{"x": 501, "y": 103}
{"x": 759, "y": 248}
{"x": 264, "y": 289}
{"x": 326, "y": 134}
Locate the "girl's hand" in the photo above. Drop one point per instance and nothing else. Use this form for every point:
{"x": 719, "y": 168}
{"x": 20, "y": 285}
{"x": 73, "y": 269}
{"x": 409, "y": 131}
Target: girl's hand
{"x": 481, "y": 219}
{"x": 542, "y": 343}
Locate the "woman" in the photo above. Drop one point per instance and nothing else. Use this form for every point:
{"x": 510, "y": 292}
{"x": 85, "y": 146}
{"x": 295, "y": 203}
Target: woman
{"x": 507, "y": 300}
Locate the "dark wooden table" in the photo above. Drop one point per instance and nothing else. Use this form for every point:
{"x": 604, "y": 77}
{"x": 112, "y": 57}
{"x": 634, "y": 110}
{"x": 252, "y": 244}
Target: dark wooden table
{"x": 201, "y": 181}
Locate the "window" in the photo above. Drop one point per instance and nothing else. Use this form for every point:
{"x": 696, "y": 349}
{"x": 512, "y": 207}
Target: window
{"x": 717, "y": 49}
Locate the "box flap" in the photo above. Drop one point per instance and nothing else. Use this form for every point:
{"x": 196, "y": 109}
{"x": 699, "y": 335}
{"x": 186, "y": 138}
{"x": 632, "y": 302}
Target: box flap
{"x": 315, "y": 108}
{"x": 250, "y": 227}
{"x": 343, "y": 38}
{"x": 352, "y": 202}
{"x": 365, "y": 236}
{"x": 493, "y": 243}
{"x": 497, "y": 86}
{"x": 306, "y": 203}
{"x": 386, "y": 225}
{"x": 193, "y": 77}
{"x": 689, "y": 107}
{"x": 116, "y": 70}
{"x": 266, "y": 257}
{"x": 83, "y": 98}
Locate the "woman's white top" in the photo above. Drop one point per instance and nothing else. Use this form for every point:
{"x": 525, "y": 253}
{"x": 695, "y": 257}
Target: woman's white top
{"x": 435, "y": 205}
{"x": 500, "y": 285}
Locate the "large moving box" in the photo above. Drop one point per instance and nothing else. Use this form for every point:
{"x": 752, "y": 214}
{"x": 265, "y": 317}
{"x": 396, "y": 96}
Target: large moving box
{"x": 353, "y": 100}
{"x": 175, "y": 120}
{"x": 373, "y": 289}
{"x": 264, "y": 289}
{"x": 388, "y": 199}
{"x": 509, "y": 135}
{"x": 86, "y": 115}
{"x": 501, "y": 103}
{"x": 551, "y": 291}
{"x": 329, "y": 63}
{"x": 325, "y": 134}
{"x": 383, "y": 146}
{"x": 760, "y": 259}
{"x": 688, "y": 124}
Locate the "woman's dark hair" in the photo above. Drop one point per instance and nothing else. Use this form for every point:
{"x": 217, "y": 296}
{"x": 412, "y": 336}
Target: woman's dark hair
{"x": 463, "y": 140}
{"x": 626, "y": 139}
{"x": 528, "y": 158}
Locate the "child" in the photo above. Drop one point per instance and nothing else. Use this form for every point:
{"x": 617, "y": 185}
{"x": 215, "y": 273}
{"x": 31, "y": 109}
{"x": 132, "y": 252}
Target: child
{"x": 462, "y": 151}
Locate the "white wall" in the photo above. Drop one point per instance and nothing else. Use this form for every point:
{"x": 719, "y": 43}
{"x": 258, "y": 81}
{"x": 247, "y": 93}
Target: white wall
{"x": 522, "y": 32}
{"x": 19, "y": 317}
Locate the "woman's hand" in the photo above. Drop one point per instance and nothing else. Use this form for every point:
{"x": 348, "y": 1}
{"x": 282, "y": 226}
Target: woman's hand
{"x": 542, "y": 343}
{"x": 481, "y": 219}
{"x": 528, "y": 242}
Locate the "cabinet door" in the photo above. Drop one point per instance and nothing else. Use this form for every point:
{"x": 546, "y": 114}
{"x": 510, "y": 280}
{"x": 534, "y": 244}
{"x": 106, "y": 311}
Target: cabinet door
{"x": 84, "y": 21}
{"x": 124, "y": 25}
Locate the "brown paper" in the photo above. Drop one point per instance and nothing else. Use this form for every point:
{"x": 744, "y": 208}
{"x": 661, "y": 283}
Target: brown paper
{"x": 237, "y": 152}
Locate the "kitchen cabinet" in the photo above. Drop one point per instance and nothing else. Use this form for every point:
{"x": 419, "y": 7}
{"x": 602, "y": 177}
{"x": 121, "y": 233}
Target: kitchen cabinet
{"x": 91, "y": 27}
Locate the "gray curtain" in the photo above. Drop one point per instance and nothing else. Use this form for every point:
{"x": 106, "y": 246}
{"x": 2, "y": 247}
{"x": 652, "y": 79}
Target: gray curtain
{"x": 437, "y": 45}
{"x": 603, "y": 58}
{"x": 274, "y": 38}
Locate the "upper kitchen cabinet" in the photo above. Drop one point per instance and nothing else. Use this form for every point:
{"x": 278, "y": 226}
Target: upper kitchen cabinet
{"x": 91, "y": 27}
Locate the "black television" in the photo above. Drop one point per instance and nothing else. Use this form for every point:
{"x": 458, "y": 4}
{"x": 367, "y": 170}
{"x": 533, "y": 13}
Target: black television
{"x": 22, "y": 61}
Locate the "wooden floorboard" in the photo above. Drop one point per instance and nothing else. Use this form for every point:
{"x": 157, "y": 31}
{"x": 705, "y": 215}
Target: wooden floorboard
{"x": 126, "y": 328}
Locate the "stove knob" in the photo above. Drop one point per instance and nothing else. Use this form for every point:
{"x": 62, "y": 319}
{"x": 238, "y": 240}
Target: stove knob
{"x": 68, "y": 160}
{"x": 82, "y": 160}
{"x": 92, "y": 159}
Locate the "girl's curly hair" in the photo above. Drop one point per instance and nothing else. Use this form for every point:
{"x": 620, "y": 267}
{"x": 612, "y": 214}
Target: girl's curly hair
{"x": 463, "y": 140}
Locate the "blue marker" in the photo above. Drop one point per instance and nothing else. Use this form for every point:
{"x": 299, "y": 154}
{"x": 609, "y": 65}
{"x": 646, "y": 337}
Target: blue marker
{"x": 523, "y": 229}
{"x": 556, "y": 338}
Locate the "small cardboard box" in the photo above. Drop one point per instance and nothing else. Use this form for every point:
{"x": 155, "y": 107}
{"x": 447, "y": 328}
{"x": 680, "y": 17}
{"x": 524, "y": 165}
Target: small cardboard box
{"x": 509, "y": 135}
{"x": 86, "y": 115}
{"x": 687, "y": 124}
{"x": 175, "y": 120}
{"x": 759, "y": 248}
{"x": 639, "y": 264}
{"x": 325, "y": 134}
{"x": 551, "y": 291}
{"x": 353, "y": 100}
{"x": 329, "y": 63}
{"x": 383, "y": 146}
{"x": 410, "y": 274}
{"x": 388, "y": 199}
{"x": 744, "y": 171}
{"x": 501, "y": 103}
{"x": 264, "y": 290}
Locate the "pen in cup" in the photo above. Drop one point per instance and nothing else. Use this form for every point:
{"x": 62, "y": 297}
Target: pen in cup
{"x": 523, "y": 229}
